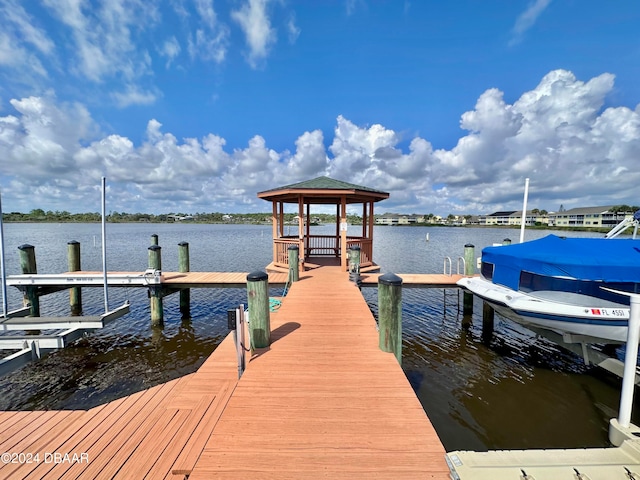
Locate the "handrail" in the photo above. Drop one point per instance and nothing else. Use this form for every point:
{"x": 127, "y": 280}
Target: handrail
{"x": 464, "y": 265}
{"x": 447, "y": 259}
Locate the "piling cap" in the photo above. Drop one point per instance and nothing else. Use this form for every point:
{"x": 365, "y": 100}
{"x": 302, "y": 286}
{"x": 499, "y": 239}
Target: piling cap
{"x": 257, "y": 276}
{"x": 354, "y": 247}
{"x": 293, "y": 247}
{"x": 390, "y": 279}
{"x": 469, "y": 245}
{"x": 155, "y": 247}
{"x": 73, "y": 242}
{"x": 183, "y": 244}
{"x": 25, "y": 246}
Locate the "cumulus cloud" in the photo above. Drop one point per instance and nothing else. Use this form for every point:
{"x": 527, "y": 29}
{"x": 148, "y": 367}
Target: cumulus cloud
{"x": 560, "y": 135}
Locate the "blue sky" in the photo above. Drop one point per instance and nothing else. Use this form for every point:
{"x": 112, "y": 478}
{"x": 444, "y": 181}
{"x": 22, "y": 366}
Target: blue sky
{"x": 196, "y": 105}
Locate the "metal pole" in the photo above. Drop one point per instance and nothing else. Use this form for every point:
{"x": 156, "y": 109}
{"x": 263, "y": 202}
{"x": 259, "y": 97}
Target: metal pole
{"x": 630, "y": 362}
{"x": 524, "y": 209}
{"x": 104, "y": 246}
{"x": 5, "y": 307}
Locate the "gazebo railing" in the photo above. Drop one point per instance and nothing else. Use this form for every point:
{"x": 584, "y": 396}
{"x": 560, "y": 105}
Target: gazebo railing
{"x": 281, "y": 250}
{"x": 322, "y": 245}
{"x": 366, "y": 249}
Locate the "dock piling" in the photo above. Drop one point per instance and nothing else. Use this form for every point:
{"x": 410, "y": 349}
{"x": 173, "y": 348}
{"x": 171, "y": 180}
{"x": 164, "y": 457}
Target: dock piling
{"x": 390, "y": 314}
{"x": 294, "y": 257}
{"x": 488, "y": 314}
{"x": 354, "y": 264}
{"x": 258, "y": 302}
{"x": 28, "y": 266}
{"x": 154, "y": 239}
{"x": 183, "y": 267}
{"x": 469, "y": 269}
{"x": 73, "y": 263}
{"x": 155, "y": 291}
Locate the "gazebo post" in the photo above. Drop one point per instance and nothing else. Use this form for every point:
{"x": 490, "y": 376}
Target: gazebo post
{"x": 337, "y": 230}
{"x": 364, "y": 220}
{"x": 343, "y": 233}
{"x": 301, "y": 239}
{"x": 274, "y": 227}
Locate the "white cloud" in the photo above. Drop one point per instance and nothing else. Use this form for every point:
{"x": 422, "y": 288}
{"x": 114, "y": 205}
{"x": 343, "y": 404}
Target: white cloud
{"x": 527, "y": 19}
{"x": 256, "y": 26}
{"x": 211, "y": 39}
{"x": 557, "y": 134}
{"x": 170, "y": 49}
{"x": 104, "y": 37}
{"x": 133, "y": 95}
{"x": 293, "y": 29}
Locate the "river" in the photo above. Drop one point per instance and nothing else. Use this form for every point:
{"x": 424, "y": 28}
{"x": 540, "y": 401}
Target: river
{"x": 515, "y": 391}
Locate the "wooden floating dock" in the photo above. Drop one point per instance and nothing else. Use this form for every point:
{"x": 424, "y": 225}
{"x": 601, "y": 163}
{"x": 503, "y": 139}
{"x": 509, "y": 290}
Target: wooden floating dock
{"x": 322, "y": 401}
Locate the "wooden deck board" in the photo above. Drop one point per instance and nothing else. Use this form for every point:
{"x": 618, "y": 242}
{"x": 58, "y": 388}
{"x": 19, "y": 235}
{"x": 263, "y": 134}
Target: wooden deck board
{"x": 326, "y": 396}
{"x": 322, "y": 400}
{"x": 112, "y": 449}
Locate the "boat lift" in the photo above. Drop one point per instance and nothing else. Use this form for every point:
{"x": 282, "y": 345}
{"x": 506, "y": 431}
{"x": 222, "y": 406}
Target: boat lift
{"x": 623, "y": 225}
{"x": 69, "y": 329}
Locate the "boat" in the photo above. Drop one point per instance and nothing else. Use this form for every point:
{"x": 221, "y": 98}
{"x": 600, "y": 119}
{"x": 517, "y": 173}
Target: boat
{"x": 566, "y": 285}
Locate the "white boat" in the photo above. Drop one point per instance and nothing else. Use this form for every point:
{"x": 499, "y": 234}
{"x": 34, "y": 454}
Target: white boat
{"x": 562, "y": 284}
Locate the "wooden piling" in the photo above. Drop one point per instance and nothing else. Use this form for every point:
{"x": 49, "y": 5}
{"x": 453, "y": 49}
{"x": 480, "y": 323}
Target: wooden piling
{"x": 73, "y": 263}
{"x": 258, "y": 302}
{"x": 28, "y": 265}
{"x": 506, "y": 241}
{"x": 155, "y": 291}
{"x": 294, "y": 257}
{"x": 488, "y": 314}
{"x": 390, "y": 314}
{"x": 469, "y": 269}
{"x": 154, "y": 239}
{"x": 183, "y": 267}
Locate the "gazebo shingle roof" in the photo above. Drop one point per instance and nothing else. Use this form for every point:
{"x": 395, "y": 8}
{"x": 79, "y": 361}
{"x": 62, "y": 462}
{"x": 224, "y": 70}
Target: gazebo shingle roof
{"x": 324, "y": 188}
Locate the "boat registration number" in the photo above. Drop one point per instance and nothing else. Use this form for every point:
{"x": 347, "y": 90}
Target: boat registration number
{"x": 609, "y": 312}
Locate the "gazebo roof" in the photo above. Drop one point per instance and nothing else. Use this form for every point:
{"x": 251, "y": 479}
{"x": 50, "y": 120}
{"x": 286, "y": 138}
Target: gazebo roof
{"x": 323, "y": 190}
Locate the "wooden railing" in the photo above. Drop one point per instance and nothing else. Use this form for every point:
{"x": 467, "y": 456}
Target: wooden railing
{"x": 321, "y": 245}
{"x": 366, "y": 249}
{"x": 281, "y": 251}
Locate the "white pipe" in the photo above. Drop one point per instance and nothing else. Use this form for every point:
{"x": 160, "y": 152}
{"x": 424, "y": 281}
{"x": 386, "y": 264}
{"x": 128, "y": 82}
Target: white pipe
{"x": 630, "y": 363}
{"x": 104, "y": 246}
{"x": 5, "y": 307}
{"x": 524, "y": 210}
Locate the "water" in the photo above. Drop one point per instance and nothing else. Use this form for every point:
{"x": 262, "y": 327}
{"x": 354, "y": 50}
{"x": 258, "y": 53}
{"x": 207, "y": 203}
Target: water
{"x": 514, "y": 391}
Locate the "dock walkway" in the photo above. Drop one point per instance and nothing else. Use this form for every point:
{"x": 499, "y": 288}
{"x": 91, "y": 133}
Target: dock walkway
{"x": 322, "y": 401}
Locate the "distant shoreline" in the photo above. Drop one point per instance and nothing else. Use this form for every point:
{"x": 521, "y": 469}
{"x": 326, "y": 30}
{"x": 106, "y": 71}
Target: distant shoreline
{"x": 265, "y": 223}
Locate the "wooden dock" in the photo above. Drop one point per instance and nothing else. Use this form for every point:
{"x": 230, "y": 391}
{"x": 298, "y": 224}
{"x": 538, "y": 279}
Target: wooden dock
{"x": 322, "y": 401}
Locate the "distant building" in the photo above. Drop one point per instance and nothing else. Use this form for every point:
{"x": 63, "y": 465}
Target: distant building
{"x": 399, "y": 219}
{"x": 589, "y": 217}
{"x": 513, "y": 217}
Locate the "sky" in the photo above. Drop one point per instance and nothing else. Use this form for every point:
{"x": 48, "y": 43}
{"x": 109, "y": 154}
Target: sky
{"x": 189, "y": 106}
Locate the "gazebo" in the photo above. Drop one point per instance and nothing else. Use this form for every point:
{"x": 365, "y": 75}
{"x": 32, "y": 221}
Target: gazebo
{"x": 322, "y": 248}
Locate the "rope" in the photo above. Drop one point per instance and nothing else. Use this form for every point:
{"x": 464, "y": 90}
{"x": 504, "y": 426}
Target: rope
{"x": 274, "y": 303}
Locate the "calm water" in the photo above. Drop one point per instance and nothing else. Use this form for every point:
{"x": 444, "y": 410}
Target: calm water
{"x": 515, "y": 391}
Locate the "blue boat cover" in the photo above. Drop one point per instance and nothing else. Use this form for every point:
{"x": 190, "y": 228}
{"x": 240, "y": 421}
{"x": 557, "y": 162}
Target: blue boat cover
{"x": 594, "y": 259}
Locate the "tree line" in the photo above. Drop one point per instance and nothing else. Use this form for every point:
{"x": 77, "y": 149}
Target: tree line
{"x": 39, "y": 215}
